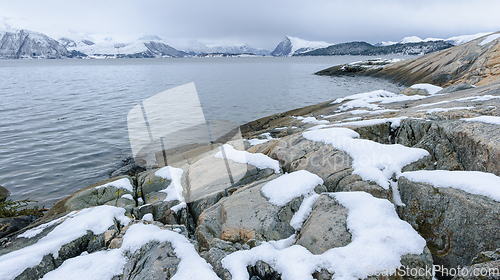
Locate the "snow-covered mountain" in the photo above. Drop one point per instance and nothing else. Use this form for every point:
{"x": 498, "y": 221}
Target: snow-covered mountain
{"x": 457, "y": 40}
{"x": 293, "y": 45}
{"x": 237, "y": 49}
{"x": 105, "y": 45}
{"x": 15, "y": 44}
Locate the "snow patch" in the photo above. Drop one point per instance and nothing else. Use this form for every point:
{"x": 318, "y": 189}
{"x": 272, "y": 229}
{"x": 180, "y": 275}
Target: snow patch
{"x": 75, "y": 225}
{"x": 371, "y": 160}
{"x": 312, "y": 120}
{"x": 258, "y": 160}
{"x": 175, "y": 189}
{"x": 379, "y": 239}
{"x": 304, "y": 211}
{"x": 106, "y": 264}
{"x": 473, "y": 182}
{"x": 283, "y": 189}
{"x": 431, "y": 89}
{"x": 123, "y": 183}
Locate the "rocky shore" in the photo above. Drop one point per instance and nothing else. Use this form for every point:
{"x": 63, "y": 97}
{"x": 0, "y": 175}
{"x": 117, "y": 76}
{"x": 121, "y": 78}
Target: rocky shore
{"x": 376, "y": 185}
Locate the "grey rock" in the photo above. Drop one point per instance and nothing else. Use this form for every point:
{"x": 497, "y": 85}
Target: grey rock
{"x": 484, "y": 271}
{"x": 262, "y": 270}
{"x": 45, "y": 266}
{"x": 297, "y": 153}
{"x": 153, "y": 261}
{"x": 90, "y": 196}
{"x": 14, "y": 224}
{"x": 454, "y": 88}
{"x": 487, "y": 257}
{"x": 455, "y": 144}
{"x": 456, "y": 225}
{"x": 30, "y": 44}
{"x": 244, "y": 215}
{"x": 414, "y": 91}
{"x": 4, "y": 193}
{"x": 326, "y": 226}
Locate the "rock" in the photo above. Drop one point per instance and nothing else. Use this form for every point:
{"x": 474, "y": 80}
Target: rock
{"x": 467, "y": 63}
{"x": 4, "y": 193}
{"x": 13, "y": 224}
{"x": 219, "y": 249}
{"x": 456, "y": 225}
{"x": 92, "y": 196}
{"x": 326, "y": 226}
{"x": 297, "y": 153}
{"x": 414, "y": 91}
{"x": 244, "y": 215}
{"x": 454, "y": 88}
{"x": 454, "y": 144}
{"x": 487, "y": 257}
{"x": 262, "y": 270}
{"x": 484, "y": 271}
{"x": 153, "y": 261}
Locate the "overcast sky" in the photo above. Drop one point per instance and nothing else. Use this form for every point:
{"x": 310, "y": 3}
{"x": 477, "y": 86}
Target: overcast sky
{"x": 261, "y": 23}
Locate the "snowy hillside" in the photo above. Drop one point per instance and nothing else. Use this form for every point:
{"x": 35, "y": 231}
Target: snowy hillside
{"x": 457, "y": 40}
{"x": 293, "y": 45}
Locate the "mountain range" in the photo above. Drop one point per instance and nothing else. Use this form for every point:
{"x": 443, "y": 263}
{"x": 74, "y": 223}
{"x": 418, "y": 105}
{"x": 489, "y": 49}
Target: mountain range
{"x": 22, "y": 43}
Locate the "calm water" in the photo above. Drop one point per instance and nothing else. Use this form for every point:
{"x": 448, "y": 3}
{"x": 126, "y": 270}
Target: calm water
{"x": 63, "y": 122}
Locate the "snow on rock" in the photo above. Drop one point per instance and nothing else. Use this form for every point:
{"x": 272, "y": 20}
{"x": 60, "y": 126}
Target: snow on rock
{"x": 379, "y": 239}
{"x": 365, "y": 100}
{"x": 174, "y": 190}
{"x": 106, "y": 264}
{"x": 458, "y": 40}
{"x": 123, "y": 183}
{"x": 490, "y": 39}
{"x": 434, "y": 110}
{"x": 283, "y": 189}
{"x": 128, "y": 196}
{"x": 148, "y": 217}
{"x": 484, "y": 119}
{"x": 37, "y": 230}
{"x": 268, "y": 136}
{"x": 304, "y": 211}
{"x": 371, "y": 160}
{"x": 431, "y": 89}
{"x": 312, "y": 120}
{"x": 258, "y": 160}
{"x": 473, "y": 182}
{"x": 75, "y": 225}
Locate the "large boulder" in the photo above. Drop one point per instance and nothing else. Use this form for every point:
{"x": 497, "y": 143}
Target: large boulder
{"x": 119, "y": 191}
{"x": 243, "y": 216}
{"x": 456, "y": 225}
{"x": 326, "y": 227}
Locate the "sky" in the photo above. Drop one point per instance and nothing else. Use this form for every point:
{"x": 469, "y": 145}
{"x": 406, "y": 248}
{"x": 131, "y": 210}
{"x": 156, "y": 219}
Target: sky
{"x": 259, "y": 23}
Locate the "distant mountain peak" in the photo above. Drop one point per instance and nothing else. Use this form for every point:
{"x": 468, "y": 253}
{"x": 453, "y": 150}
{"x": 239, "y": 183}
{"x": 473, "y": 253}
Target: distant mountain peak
{"x": 293, "y": 45}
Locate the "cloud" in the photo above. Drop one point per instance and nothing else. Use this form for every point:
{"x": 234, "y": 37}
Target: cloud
{"x": 264, "y": 23}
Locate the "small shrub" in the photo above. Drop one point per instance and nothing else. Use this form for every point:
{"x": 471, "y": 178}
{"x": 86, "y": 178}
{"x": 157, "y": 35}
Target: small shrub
{"x": 10, "y": 208}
